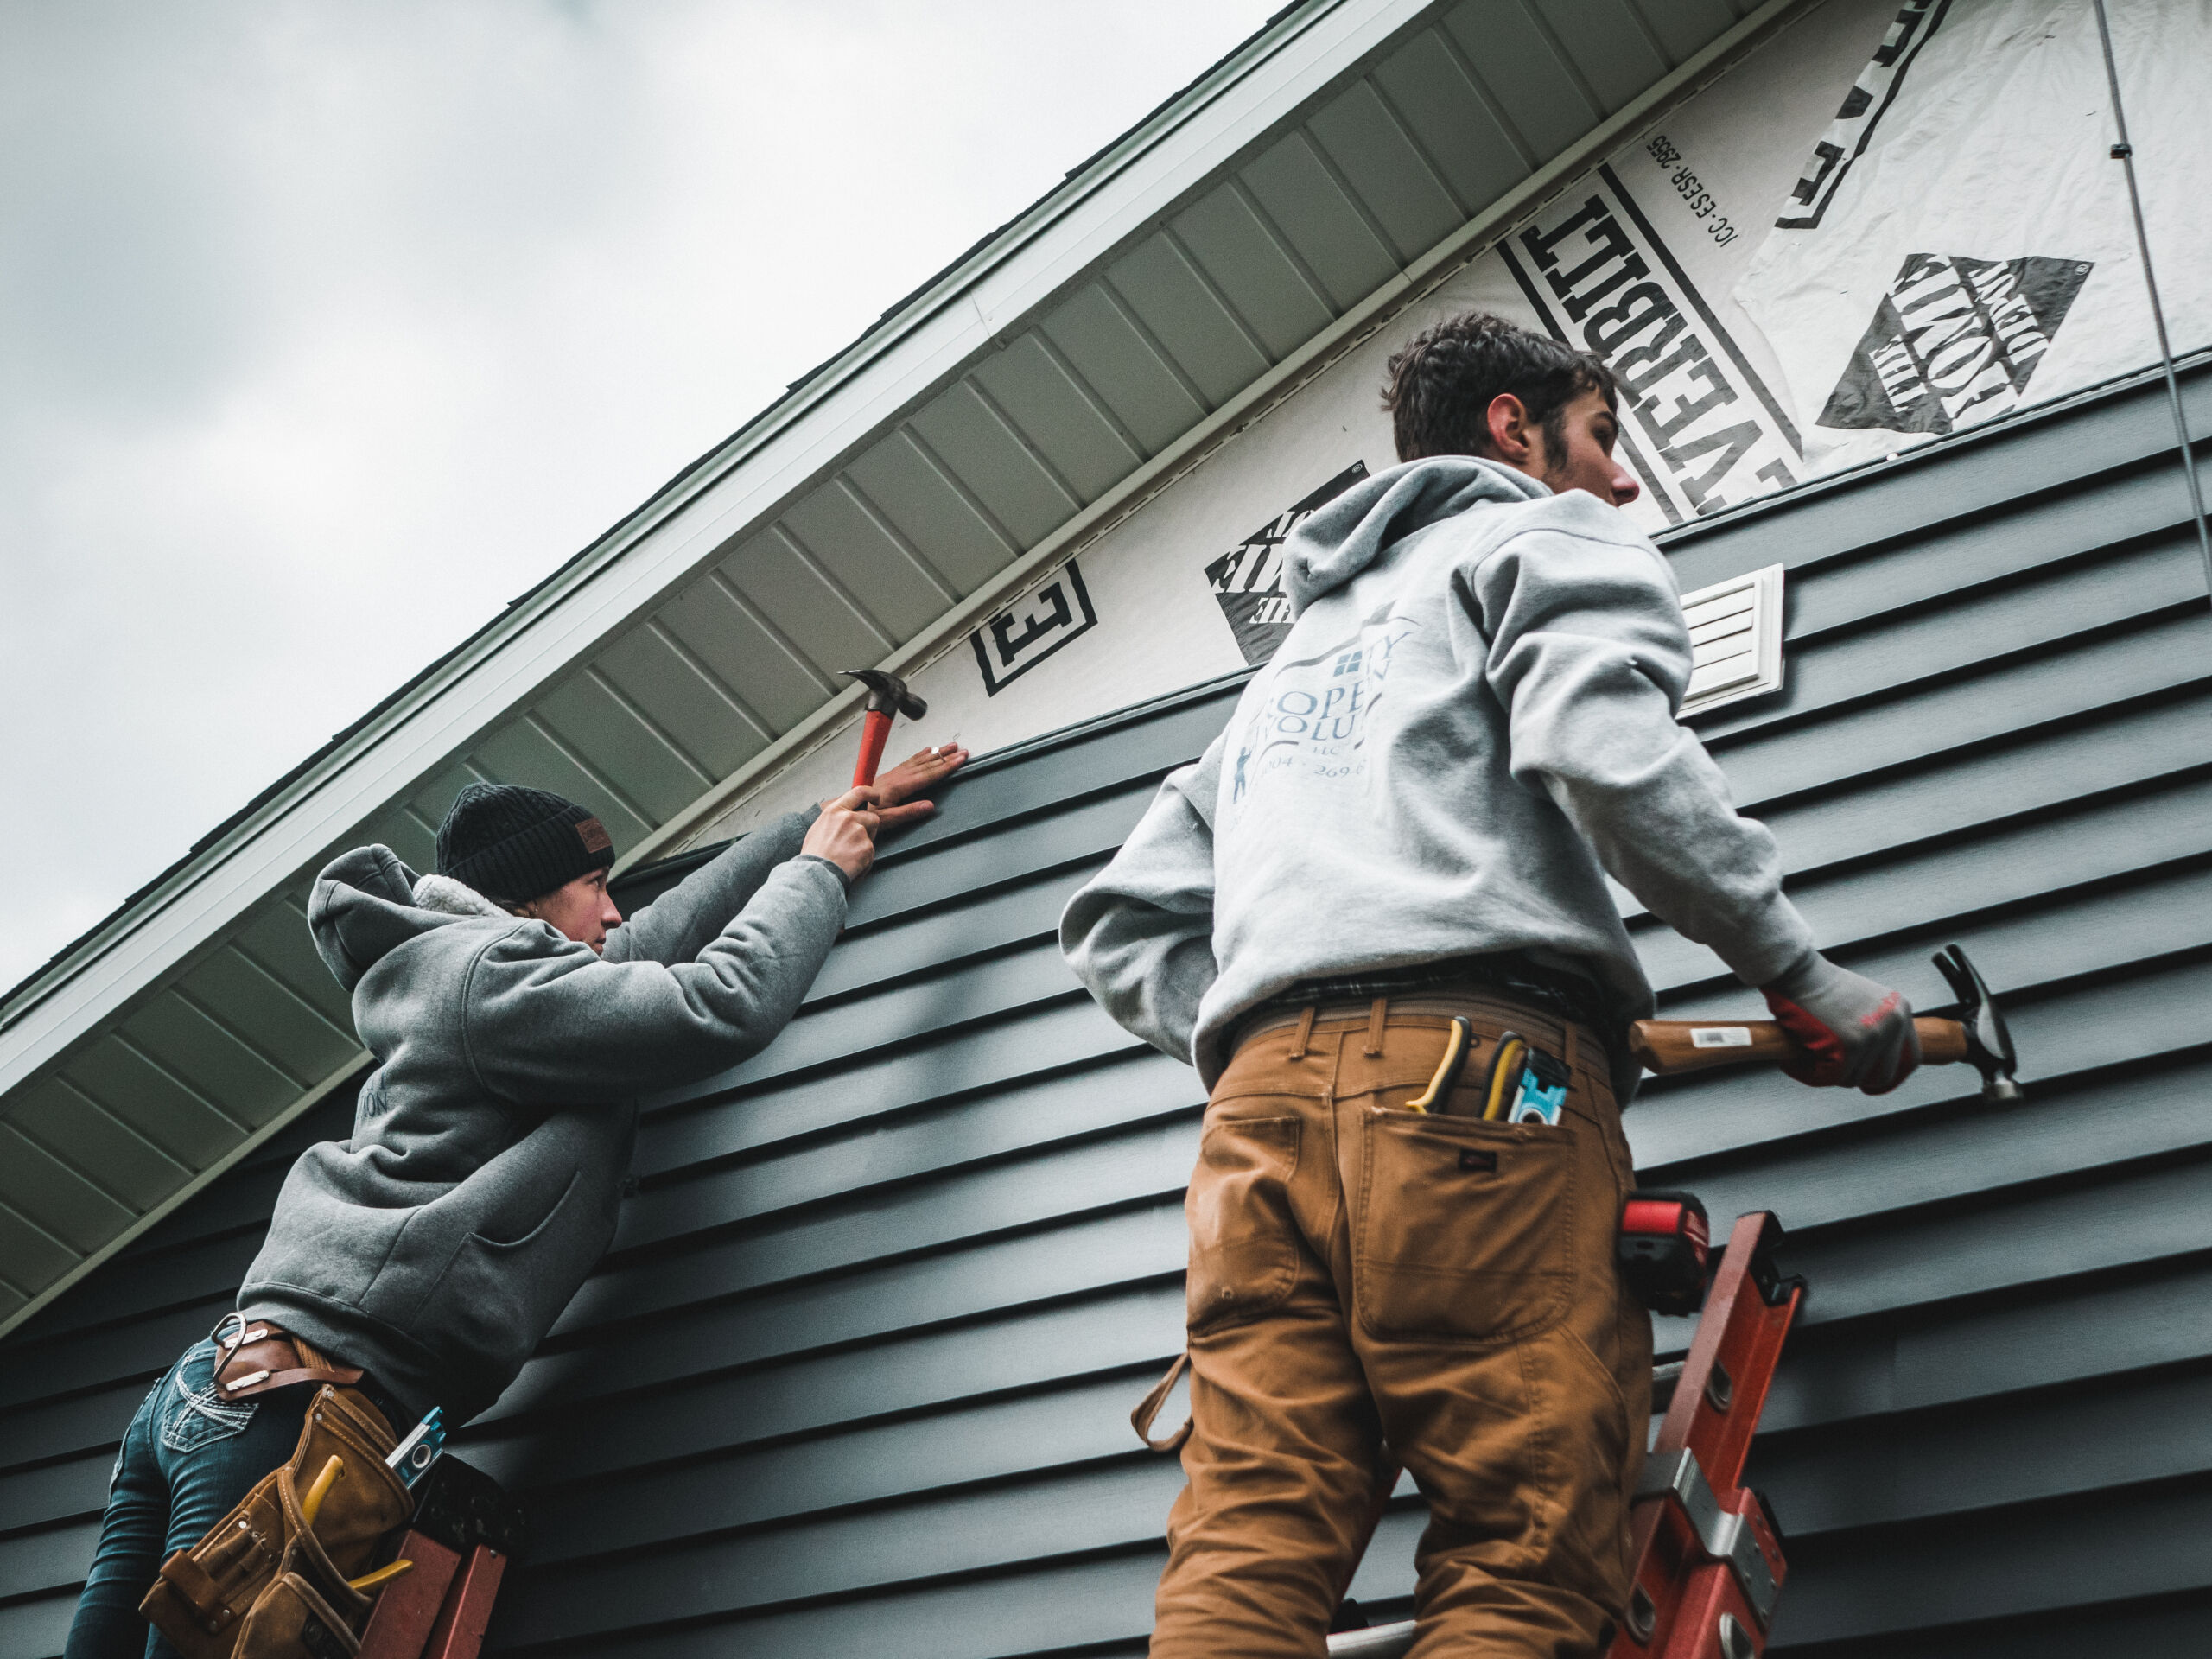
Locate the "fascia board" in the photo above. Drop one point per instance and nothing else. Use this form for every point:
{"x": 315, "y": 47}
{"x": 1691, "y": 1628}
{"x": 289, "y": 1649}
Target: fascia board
{"x": 547, "y": 633}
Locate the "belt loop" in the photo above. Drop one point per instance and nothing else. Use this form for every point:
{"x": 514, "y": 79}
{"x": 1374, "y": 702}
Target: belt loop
{"x": 1375, "y": 1013}
{"x": 1571, "y": 1030}
{"x": 1305, "y": 1032}
{"x": 226, "y": 1353}
{"x": 1148, "y": 1408}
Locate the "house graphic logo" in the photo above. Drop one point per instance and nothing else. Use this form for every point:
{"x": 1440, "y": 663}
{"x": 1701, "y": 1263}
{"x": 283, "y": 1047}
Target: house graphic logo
{"x": 1954, "y": 340}
{"x": 1052, "y": 614}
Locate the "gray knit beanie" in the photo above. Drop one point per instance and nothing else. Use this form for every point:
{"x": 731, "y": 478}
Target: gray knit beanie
{"x": 513, "y": 844}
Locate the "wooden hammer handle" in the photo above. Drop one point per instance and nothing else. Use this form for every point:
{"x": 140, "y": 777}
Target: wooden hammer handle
{"x": 1668, "y": 1047}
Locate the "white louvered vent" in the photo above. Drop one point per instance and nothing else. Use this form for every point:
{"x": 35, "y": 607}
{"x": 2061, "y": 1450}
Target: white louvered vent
{"x": 1735, "y": 639}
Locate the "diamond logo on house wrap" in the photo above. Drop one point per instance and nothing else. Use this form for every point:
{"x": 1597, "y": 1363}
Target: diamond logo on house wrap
{"x": 1955, "y": 340}
{"x": 1247, "y": 581}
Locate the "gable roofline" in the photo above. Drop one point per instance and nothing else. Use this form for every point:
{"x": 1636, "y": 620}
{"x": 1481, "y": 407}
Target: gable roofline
{"x": 727, "y": 452}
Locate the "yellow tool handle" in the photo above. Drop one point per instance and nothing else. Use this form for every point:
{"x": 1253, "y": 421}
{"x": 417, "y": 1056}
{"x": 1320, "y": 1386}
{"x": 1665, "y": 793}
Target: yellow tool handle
{"x": 1668, "y": 1046}
{"x": 1504, "y": 1075}
{"x": 333, "y": 1472}
{"x": 1455, "y": 1051}
{"x": 381, "y": 1577}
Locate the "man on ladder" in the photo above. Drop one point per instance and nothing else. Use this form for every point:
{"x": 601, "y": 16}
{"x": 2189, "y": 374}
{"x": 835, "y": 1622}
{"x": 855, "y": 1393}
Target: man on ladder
{"x": 1374, "y": 915}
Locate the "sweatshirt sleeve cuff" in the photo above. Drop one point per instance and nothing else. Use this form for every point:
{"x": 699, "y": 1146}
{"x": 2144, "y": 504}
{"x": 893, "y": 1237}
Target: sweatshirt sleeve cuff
{"x": 1778, "y": 937}
{"x": 844, "y": 881}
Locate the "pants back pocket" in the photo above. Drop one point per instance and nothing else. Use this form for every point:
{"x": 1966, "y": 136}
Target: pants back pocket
{"x": 1465, "y": 1230}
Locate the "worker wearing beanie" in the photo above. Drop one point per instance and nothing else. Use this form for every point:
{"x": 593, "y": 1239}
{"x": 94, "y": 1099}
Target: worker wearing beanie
{"x": 515, "y": 1017}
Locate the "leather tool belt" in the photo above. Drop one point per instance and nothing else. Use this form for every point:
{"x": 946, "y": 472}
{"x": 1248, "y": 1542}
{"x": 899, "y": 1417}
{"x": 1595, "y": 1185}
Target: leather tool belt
{"x": 272, "y": 1581}
{"x": 253, "y": 1357}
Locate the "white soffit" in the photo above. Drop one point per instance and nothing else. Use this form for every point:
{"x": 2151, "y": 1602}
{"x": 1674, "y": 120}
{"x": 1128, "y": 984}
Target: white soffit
{"x": 1291, "y": 197}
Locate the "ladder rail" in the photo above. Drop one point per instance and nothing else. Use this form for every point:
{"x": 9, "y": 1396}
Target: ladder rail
{"x": 1708, "y": 1564}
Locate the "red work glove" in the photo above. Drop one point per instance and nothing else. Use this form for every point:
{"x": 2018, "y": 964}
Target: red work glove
{"x": 1855, "y": 1033}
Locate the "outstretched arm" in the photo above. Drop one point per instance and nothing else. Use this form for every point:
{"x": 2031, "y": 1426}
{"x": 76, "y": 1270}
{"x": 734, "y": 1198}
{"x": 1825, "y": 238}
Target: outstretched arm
{"x": 679, "y": 923}
{"x": 1140, "y": 933}
{"x": 677, "y": 926}
{"x": 1589, "y": 652}
{"x": 573, "y": 1029}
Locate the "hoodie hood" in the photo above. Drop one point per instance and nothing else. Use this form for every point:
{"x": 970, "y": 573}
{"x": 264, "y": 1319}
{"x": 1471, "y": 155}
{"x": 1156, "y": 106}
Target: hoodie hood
{"x": 1347, "y": 535}
{"x": 366, "y": 903}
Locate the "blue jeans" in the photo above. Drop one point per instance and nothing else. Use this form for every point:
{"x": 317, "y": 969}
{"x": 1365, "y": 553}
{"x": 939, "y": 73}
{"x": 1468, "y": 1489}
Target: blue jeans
{"x": 187, "y": 1458}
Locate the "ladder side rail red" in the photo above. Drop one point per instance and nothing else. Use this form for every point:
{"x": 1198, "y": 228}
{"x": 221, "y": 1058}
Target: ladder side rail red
{"x": 1708, "y": 1566}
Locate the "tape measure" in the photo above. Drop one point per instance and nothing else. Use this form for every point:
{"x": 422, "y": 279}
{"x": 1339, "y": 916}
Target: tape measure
{"x": 1664, "y": 1250}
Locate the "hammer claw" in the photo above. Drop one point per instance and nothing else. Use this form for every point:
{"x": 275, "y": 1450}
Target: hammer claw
{"x": 888, "y": 697}
{"x": 887, "y": 693}
{"x": 1989, "y": 1042}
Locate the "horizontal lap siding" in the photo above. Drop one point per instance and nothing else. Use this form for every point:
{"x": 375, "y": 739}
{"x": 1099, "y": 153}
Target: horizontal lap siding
{"x": 1995, "y": 733}
{"x": 71, "y": 1376}
{"x": 861, "y": 1363}
{"x": 855, "y": 1375}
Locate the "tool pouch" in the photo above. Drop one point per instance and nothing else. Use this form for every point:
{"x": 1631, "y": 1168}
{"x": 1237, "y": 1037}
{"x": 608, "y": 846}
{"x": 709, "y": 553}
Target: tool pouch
{"x": 291, "y": 1618}
{"x": 263, "y": 1584}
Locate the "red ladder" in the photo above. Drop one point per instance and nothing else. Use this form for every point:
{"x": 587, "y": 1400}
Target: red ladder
{"x": 1708, "y": 1558}
{"x": 1709, "y": 1566}
{"x": 465, "y": 1531}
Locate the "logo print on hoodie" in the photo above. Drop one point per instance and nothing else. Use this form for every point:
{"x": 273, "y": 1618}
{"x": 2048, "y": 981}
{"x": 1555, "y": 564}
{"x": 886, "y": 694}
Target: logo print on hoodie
{"x": 1318, "y": 709}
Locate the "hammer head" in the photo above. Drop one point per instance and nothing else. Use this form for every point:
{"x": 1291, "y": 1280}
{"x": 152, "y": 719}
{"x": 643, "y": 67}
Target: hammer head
{"x": 1989, "y": 1045}
{"x": 887, "y": 693}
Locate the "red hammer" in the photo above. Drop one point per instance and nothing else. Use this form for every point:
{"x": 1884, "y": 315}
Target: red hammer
{"x": 888, "y": 696}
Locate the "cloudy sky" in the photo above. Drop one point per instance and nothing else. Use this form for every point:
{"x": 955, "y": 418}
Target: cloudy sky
{"x": 327, "y": 329}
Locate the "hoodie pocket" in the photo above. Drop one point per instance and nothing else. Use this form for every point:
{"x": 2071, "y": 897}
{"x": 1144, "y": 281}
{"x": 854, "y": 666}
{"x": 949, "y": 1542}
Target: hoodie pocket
{"x": 498, "y": 1297}
{"x": 530, "y": 1237}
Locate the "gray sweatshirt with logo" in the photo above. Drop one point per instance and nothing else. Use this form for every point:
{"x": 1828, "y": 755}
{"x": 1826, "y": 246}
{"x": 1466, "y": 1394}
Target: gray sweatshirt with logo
{"x": 436, "y": 1245}
{"x": 1471, "y": 722}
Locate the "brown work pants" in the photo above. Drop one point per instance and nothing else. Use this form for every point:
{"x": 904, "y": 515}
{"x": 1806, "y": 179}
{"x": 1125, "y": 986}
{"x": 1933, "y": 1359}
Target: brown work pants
{"x": 1370, "y": 1286}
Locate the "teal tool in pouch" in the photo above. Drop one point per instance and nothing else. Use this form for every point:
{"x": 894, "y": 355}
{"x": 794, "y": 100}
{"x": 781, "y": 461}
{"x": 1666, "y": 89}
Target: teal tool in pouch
{"x": 1545, "y": 1080}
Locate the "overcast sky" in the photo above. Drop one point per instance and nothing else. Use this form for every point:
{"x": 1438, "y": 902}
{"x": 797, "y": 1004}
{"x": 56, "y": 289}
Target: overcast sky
{"x": 327, "y": 329}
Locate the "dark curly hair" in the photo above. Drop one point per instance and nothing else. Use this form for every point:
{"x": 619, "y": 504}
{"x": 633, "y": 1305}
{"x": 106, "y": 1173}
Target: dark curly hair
{"x": 1443, "y": 380}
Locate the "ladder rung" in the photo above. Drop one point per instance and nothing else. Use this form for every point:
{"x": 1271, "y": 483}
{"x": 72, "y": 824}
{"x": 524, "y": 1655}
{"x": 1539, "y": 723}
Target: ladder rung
{"x": 1382, "y": 1642}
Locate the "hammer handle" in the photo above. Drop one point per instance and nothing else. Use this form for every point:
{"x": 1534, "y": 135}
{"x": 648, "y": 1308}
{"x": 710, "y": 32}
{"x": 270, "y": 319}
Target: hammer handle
{"x": 1668, "y": 1047}
{"x": 875, "y": 727}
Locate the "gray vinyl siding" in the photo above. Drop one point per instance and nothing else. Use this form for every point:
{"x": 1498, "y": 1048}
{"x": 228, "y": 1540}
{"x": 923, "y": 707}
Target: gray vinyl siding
{"x": 856, "y": 1377}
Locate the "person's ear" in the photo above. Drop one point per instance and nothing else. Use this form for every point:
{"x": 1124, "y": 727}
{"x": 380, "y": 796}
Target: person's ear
{"x": 1513, "y": 437}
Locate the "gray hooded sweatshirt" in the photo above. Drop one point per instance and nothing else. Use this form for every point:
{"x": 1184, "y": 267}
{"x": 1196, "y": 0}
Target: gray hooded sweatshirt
{"x": 437, "y": 1245}
{"x": 1471, "y": 721}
